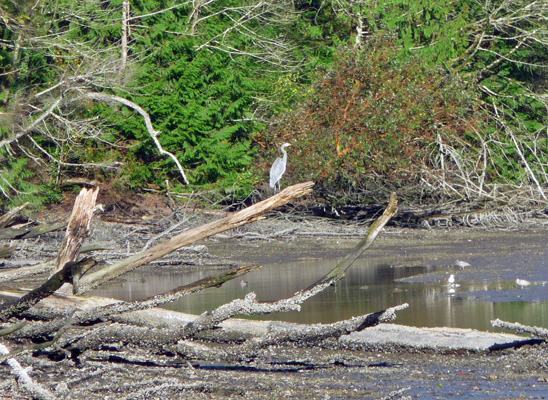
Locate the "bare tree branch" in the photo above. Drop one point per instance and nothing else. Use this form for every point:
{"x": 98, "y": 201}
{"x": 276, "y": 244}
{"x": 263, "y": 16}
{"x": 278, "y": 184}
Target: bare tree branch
{"x": 519, "y": 328}
{"x": 65, "y": 275}
{"x": 152, "y": 132}
{"x": 36, "y": 390}
{"x": 33, "y": 125}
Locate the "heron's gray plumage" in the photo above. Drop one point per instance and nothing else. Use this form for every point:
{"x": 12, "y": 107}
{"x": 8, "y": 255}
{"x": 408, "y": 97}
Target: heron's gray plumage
{"x": 278, "y": 168}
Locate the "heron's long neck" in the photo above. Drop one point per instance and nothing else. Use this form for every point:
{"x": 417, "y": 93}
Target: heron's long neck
{"x": 285, "y": 154}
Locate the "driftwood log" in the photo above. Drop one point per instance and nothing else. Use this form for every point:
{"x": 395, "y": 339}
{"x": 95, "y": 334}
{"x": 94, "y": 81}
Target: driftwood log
{"x": 31, "y": 232}
{"x": 70, "y": 270}
{"x": 245, "y": 306}
{"x": 541, "y": 333}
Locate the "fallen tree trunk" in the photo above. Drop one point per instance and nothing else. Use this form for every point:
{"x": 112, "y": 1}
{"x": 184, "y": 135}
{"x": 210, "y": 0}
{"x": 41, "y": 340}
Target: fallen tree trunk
{"x": 118, "y": 330}
{"x": 340, "y": 270}
{"x": 92, "y": 280}
{"x": 314, "y": 334}
{"x": 12, "y": 274}
{"x": 65, "y": 275}
{"x": 66, "y": 269}
{"x": 165, "y": 339}
{"x": 119, "y": 336}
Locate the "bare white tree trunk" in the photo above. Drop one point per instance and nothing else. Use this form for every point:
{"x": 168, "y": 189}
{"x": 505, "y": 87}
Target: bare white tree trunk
{"x": 359, "y": 27}
{"x": 125, "y": 34}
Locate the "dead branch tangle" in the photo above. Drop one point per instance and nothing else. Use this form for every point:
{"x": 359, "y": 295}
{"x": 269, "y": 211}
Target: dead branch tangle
{"x": 88, "y": 326}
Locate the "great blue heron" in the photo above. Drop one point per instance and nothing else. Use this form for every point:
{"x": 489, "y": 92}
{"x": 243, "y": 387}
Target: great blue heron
{"x": 278, "y": 168}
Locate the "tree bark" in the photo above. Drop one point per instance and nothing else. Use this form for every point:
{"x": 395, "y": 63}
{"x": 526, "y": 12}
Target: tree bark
{"x": 78, "y": 227}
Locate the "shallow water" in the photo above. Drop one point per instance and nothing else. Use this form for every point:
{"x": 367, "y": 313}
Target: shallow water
{"x": 484, "y": 291}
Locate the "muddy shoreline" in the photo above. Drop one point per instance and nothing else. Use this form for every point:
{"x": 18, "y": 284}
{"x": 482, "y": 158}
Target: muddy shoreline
{"x": 394, "y": 371}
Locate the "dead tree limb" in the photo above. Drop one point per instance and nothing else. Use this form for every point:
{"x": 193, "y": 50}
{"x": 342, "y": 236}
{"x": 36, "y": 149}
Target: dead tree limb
{"x": 173, "y": 338}
{"x": 519, "y": 328}
{"x": 27, "y": 233}
{"x": 249, "y": 306}
{"x": 340, "y": 270}
{"x": 245, "y": 306}
{"x": 148, "y": 123}
{"x": 13, "y": 274}
{"x": 250, "y": 214}
{"x": 22, "y": 374}
{"x": 29, "y": 128}
{"x": 111, "y": 310}
{"x": 57, "y": 280}
{"x": 10, "y": 329}
{"x": 78, "y": 227}
{"x": 8, "y": 217}
{"x": 320, "y": 332}
{"x": 119, "y": 336}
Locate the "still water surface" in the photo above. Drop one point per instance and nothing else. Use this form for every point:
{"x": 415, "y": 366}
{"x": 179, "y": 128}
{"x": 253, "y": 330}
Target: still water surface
{"x": 484, "y": 293}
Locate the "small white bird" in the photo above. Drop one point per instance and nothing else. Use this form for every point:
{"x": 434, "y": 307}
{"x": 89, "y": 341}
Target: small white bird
{"x": 452, "y": 284}
{"x": 461, "y": 264}
{"x": 243, "y": 283}
{"x": 522, "y": 282}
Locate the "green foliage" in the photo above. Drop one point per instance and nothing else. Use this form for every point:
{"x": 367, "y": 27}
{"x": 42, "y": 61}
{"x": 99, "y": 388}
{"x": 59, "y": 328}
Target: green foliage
{"x": 383, "y": 111}
{"x": 437, "y": 29}
{"x": 206, "y": 103}
{"x": 202, "y": 108}
{"x": 19, "y": 185}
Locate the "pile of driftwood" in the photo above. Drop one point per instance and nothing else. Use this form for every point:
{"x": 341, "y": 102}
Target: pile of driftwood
{"x": 49, "y": 320}
{"x": 79, "y": 326}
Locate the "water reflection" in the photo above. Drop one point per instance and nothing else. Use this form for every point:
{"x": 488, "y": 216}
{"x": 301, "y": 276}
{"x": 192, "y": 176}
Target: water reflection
{"x": 371, "y": 285}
